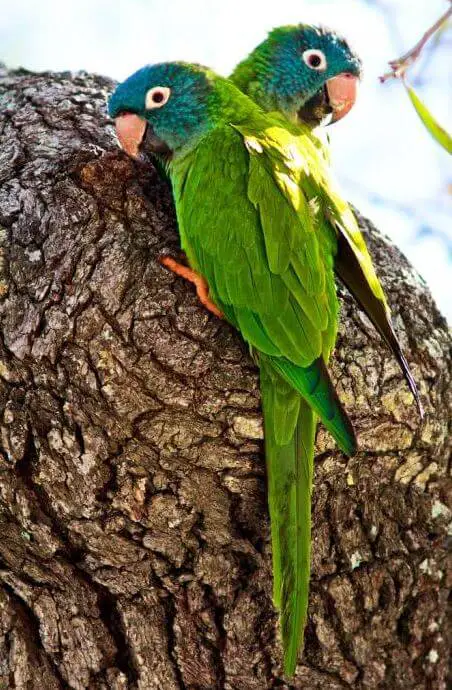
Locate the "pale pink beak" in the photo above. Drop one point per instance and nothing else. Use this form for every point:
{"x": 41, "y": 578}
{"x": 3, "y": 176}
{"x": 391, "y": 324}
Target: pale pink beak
{"x": 130, "y": 130}
{"x": 342, "y": 91}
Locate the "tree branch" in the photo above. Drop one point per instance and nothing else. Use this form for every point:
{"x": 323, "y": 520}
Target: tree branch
{"x": 401, "y": 64}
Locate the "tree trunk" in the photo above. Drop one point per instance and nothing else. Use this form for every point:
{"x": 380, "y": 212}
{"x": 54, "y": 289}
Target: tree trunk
{"x": 134, "y": 548}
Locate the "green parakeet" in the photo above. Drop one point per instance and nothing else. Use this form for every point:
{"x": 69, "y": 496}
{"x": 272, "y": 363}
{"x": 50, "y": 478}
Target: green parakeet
{"x": 308, "y": 75}
{"x": 258, "y": 227}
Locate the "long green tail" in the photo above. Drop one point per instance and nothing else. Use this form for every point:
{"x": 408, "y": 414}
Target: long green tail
{"x": 290, "y": 422}
{"x": 289, "y": 476}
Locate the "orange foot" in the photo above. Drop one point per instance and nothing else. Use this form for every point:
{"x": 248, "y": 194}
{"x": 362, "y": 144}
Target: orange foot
{"x": 202, "y": 289}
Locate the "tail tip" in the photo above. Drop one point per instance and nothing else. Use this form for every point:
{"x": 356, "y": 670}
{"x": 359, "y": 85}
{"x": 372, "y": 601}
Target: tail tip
{"x": 350, "y": 447}
{"x": 421, "y": 410}
{"x": 290, "y": 664}
{"x": 420, "y": 407}
{"x": 348, "y": 441}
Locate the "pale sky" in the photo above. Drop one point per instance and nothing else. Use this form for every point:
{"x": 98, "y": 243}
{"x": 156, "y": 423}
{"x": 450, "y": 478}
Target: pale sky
{"x": 385, "y": 160}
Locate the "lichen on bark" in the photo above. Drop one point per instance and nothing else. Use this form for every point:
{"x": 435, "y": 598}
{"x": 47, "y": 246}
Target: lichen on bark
{"x": 134, "y": 548}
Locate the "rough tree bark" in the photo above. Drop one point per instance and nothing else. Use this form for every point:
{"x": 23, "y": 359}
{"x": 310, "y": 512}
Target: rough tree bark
{"x": 134, "y": 533}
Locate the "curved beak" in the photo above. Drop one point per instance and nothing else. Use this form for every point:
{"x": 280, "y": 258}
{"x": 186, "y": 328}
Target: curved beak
{"x": 136, "y": 136}
{"x": 342, "y": 91}
{"x": 130, "y": 130}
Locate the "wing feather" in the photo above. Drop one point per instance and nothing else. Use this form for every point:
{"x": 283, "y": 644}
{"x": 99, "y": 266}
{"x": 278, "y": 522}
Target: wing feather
{"x": 259, "y": 252}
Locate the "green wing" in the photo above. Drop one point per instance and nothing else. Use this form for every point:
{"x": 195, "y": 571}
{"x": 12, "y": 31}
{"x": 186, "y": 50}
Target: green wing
{"x": 264, "y": 251}
{"x": 354, "y": 267}
{"x": 352, "y": 262}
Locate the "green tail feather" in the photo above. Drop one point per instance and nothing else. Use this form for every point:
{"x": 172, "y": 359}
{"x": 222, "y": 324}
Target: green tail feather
{"x": 289, "y": 471}
{"x": 315, "y": 385}
{"x": 292, "y": 397}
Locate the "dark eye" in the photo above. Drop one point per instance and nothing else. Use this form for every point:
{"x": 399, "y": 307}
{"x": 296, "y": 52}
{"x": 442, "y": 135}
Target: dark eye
{"x": 315, "y": 59}
{"x": 157, "y": 96}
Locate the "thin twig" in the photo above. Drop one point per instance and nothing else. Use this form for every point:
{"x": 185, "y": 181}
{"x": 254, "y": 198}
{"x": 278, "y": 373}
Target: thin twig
{"x": 399, "y": 66}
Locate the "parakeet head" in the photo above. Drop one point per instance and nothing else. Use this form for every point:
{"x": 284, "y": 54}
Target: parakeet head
{"x": 304, "y": 71}
{"x": 166, "y": 108}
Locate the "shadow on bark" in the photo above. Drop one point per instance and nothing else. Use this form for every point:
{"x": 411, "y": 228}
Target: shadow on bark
{"x": 134, "y": 548}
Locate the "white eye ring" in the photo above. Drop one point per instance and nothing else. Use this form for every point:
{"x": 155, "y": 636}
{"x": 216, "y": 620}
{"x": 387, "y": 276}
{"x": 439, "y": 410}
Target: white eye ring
{"x": 157, "y": 97}
{"x": 315, "y": 59}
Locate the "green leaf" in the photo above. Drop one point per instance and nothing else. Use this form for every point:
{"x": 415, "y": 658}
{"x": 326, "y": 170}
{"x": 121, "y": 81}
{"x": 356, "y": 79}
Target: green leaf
{"x": 437, "y": 132}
